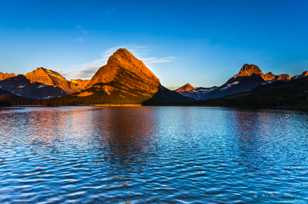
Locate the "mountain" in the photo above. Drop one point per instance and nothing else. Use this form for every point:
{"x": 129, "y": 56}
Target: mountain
{"x": 123, "y": 80}
{"x": 40, "y": 83}
{"x": 185, "y": 88}
{"x": 197, "y": 93}
{"x": 124, "y": 71}
{"x": 247, "y": 79}
{"x": 4, "y": 76}
{"x": 269, "y": 76}
{"x": 290, "y": 94}
{"x": 23, "y": 87}
{"x": 248, "y": 70}
{"x": 283, "y": 77}
{"x": 167, "y": 97}
{"x": 51, "y": 78}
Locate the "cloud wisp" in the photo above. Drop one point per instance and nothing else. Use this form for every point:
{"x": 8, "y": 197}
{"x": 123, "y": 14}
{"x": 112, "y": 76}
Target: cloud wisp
{"x": 158, "y": 60}
{"x": 87, "y": 70}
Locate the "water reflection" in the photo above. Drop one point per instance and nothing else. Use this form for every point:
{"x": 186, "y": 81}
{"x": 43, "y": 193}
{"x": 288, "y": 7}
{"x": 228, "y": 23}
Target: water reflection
{"x": 126, "y": 132}
{"x": 152, "y": 155}
{"x": 246, "y": 128}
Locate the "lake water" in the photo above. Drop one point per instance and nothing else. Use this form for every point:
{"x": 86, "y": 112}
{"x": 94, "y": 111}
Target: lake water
{"x": 152, "y": 155}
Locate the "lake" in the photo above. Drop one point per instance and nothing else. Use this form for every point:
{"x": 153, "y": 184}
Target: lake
{"x": 152, "y": 155}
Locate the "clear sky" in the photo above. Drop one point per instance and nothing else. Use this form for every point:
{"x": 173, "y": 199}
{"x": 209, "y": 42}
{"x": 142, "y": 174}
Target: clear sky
{"x": 198, "y": 41}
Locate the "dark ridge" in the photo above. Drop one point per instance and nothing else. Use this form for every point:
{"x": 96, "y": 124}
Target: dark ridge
{"x": 278, "y": 95}
{"x": 167, "y": 97}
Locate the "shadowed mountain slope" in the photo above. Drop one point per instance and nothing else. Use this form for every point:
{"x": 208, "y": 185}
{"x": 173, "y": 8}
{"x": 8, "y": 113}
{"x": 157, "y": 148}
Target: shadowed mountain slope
{"x": 248, "y": 78}
{"x": 9, "y": 99}
{"x": 21, "y": 86}
{"x": 291, "y": 94}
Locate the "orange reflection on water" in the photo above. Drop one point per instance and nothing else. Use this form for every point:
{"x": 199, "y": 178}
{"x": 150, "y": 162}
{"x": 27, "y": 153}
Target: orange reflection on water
{"x": 126, "y": 130}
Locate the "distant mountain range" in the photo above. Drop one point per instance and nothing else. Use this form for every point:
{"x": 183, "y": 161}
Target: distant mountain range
{"x": 126, "y": 80}
{"x": 250, "y": 87}
{"x": 248, "y": 78}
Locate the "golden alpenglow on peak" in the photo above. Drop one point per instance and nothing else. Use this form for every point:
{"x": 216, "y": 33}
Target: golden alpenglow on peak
{"x": 185, "y": 88}
{"x": 4, "y": 76}
{"x": 51, "y": 78}
{"x": 125, "y": 76}
{"x": 248, "y": 70}
{"x": 120, "y": 61}
{"x": 45, "y": 76}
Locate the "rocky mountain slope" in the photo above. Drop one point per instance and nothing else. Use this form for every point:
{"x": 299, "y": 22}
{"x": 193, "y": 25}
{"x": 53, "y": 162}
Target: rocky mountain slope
{"x": 185, "y": 88}
{"x": 23, "y": 87}
{"x": 48, "y": 77}
{"x": 51, "y": 78}
{"x": 4, "y": 76}
{"x": 40, "y": 83}
{"x": 77, "y": 85}
{"x": 124, "y": 76}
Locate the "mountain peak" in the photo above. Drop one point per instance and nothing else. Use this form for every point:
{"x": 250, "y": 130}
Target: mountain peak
{"x": 46, "y": 71}
{"x": 185, "y": 88}
{"x": 269, "y": 76}
{"x": 44, "y": 76}
{"x": 120, "y": 55}
{"x": 283, "y": 77}
{"x": 126, "y": 60}
{"x": 49, "y": 77}
{"x": 248, "y": 70}
{"x": 124, "y": 75}
{"x": 122, "y": 60}
{"x": 4, "y": 76}
{"x": 123, "y": 51}
{"x": 40, "y": 69}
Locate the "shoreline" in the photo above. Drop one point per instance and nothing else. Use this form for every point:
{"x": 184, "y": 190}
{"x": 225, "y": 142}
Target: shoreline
{"x": 117, "y": 105}
{"x": 252, "y": 108}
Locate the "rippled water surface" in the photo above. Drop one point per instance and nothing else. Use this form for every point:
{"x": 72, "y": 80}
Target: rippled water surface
{"x": 152, "y": 155}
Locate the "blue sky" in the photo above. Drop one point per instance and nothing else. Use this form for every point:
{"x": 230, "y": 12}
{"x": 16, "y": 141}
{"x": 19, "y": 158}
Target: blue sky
{"x": 197, "y": 41}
